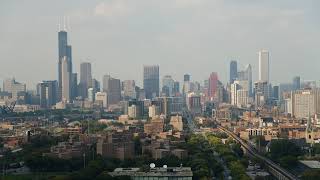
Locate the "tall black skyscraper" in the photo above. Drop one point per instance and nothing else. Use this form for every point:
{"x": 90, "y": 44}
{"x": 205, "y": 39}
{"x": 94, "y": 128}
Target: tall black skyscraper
{"x": 296, "y": 83}
{"x": 65, "y": 50}
{"x": 176, "y": 88}
{"x": 275, "y": 92}
{"x": 233, "y": 71}
{"x": 151, "y": 81}
{"x": 74, "y": 85}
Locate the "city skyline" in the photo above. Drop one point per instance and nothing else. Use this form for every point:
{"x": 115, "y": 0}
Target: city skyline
{"x": 159, "y": 89}
{"x": 200, "y": 57}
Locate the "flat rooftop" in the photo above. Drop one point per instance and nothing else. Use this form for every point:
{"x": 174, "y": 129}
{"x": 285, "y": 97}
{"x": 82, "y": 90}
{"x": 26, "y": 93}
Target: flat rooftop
{"x": 154, "y": 172}
{"x": 311, "y": 164}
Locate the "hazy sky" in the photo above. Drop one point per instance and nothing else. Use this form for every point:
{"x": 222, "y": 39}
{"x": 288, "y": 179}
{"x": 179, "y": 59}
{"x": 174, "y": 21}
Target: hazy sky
{"x": 183, "y": 36}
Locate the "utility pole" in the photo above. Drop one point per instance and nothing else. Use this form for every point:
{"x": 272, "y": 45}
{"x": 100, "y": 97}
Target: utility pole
{"x": 84, "y": 160}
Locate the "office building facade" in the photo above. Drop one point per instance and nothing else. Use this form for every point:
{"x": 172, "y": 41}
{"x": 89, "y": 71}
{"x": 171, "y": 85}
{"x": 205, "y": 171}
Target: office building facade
{"x": 85, "y": 79}
{"x": 151, "y": 81}
{"x": 48, "y": 94}
{"x": 233, "y": 71}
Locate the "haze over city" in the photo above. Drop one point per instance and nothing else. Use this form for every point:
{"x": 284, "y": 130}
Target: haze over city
{"x": 183, "y": 36}
{"x": 159, "y": 90}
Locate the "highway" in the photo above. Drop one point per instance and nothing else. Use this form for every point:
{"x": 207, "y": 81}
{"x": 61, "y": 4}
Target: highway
{"x": 284, "y": 174}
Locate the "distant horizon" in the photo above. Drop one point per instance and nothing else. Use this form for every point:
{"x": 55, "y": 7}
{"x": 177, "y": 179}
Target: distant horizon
{"x": 193, "y": 37}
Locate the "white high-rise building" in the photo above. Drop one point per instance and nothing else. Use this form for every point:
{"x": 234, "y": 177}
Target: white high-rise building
{"x": 305, "y": 103}
{"x": 154, "y": 111}
{"x": 264, "y": 65}
{"x": 242, "y": 98}
{"x": 233, "y": 91}
{"x": 102, "y": 97}
{"x": 129, "y": 90}
{"x": 132, "y": 111}
{"x": 240, "y": 93}
{"x": 91, "y": 94}
{"x": 65, "y": 79}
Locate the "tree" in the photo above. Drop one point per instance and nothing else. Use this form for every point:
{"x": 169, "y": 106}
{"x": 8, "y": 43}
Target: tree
{"x": 311, "y": 175}
{"x": 170, "y": 160}
{"x": 283, "y": 147}
{"x": 238, "y": 171}
{"x": 237, "y": 149}
{"x": 288, "y": 161}
{"x": 316, "y": 148}
{"x": 104, "y": 176}
{"x": 213, "y": 140}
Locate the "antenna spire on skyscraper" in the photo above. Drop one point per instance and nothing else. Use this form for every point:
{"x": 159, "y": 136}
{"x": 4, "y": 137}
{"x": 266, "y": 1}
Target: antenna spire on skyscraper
{"x": 68, "y": 23}
{"x": 64, "y": 23}
{"x": 59, "y": 25}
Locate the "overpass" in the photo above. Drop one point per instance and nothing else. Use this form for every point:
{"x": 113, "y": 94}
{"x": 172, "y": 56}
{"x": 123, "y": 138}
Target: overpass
{"x": 273, "y": 168}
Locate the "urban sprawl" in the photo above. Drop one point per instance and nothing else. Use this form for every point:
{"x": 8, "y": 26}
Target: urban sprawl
{"x": 114, "y": 129}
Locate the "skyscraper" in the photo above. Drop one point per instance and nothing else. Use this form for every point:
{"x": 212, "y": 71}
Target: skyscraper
{"x": 213, "y": 84}
{"x": 296, "y": 83}
{"x": 151, "y": 81}
{"x": 186, "y": 84}
{"x": 275, "y": 92}
{"x": 103, "y": 98}
{"x": 240, "y": 93}
{"x": 105, "y": 82}
{"x": 264, "y": 65}
{"x": 91, "y": 94}
{"x": 249, "y": 75}
{"x": 113, "y": 89}
{"x": 48, "y": 93}
{"x": 66, "y": 88}
{"x": 186, "y": 77}
{"x": 65, "y": 50}
{"x": 168, "y": 83}
{"x": 85, "y": 79}
{"x": 176, "y": 88}
{"x": 74, "y": 85}
{"x": 246, "y": 75}
{"x": 129, "y": 89}
{"x": 262, "y": 93}
{"x": 233, "y": 71}
{"x": 95, "y": 85}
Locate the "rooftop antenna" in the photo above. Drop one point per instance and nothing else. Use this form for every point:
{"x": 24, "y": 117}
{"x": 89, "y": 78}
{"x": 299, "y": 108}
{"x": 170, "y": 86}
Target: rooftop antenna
{"x": 64, "y": 23}
{"x": 59, "y": 25}
{"x": 68, "y": 23}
